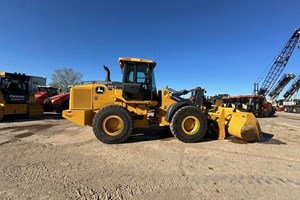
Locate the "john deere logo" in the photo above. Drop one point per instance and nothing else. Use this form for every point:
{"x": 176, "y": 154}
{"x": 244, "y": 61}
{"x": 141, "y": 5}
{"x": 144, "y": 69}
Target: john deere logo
{"x": 99, "y": 90}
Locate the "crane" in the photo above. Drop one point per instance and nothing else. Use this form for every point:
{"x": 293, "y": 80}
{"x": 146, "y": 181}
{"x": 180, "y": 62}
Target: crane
{"x": 279, "y": 64}
{"x": 292, "y": 90}
{"x": 292, "y": 105}
{"x": 285, "y": 79}
{"x": 257, "y": 103}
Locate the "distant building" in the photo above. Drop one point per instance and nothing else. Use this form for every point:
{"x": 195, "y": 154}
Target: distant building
{"x": 35, "y": 81}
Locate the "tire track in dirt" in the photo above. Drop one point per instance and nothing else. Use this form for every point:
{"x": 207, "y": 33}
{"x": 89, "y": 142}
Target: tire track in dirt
{"x": 250, "y": 180}
{"x": 131, "y": 190}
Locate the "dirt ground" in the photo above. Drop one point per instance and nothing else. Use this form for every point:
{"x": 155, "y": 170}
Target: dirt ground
{"x": 51, "y": 158}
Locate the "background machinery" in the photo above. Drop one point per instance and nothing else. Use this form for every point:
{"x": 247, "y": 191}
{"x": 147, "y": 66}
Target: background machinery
{"x": 274, "y": 94}
{"x": 250, "y": 103}
{"x": 15, "y": 97}
{"x": 278, "y": 65}
{"x": 257, "y": 103}
{"x": 290, "y": 103}
{"x": 58, "y": 102}
{"x": 43, "y": 93}
{"x": 114, "y": 109}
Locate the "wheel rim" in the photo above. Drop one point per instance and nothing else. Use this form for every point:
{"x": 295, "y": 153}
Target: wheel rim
{"x": 112, "y": 125}
{"x": 190, "y": 125}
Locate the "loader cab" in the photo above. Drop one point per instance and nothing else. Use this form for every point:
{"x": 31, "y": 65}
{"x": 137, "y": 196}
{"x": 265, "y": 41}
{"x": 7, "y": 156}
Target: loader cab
{"x": 138, "y": 79}
{"x": 14, "y": 87}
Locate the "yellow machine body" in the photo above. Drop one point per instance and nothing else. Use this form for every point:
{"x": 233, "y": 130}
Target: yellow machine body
{"x": 233, "y": 122}
{"x": 28, "y": 107}
{"x": 87, "y": 100}
{"x": 86, "y": 103}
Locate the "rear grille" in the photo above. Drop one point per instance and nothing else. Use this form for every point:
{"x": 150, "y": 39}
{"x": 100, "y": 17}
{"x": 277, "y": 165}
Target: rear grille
{"x": 81, "y": 98}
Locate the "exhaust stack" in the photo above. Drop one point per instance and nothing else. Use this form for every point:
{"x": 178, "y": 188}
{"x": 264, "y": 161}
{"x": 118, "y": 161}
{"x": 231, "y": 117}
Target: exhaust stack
{"x": 107, "y": 74}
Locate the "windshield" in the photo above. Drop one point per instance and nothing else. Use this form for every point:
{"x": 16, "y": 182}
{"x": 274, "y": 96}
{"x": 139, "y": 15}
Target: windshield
{"x": 43, "y": 89}
{"x": 141, "y": 73}
{"x": 13, "y": 84}
{"x": 50, "y": 90}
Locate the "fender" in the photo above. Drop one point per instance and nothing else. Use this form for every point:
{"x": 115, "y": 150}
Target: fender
{"x": 173, "y": 108}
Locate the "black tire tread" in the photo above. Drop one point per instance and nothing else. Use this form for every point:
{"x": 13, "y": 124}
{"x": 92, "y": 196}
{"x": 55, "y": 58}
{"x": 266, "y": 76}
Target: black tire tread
{"x": 117, "y": 109}
{"x": 175, "y": 129}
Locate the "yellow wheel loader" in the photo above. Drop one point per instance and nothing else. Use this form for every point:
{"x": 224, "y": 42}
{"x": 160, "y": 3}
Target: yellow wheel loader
{"x": 114, "y": 109}
{"x": 15, "y": 98}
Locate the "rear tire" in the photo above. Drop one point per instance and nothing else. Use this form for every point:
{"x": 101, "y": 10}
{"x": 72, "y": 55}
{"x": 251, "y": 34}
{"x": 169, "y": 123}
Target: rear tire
{"x": 113, "y": 124}
{"x": 189, "y": 124}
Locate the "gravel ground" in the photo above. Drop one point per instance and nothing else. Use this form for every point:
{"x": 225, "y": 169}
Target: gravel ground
{"x": 51, "y": 158}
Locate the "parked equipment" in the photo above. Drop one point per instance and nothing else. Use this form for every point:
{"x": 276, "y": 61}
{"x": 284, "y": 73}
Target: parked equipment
{"x": 43, "y": 93}
{"x": 250, "y": 103}
{"x": 285, "y": 79}
{"x": 278, "y": 65}
{"x": 290, "y": 103}
{"x": 15, "y": 97}
{"x": 58, "y": 102}
{"x": 114, "y": 109}
{"x": 258, "y": 103}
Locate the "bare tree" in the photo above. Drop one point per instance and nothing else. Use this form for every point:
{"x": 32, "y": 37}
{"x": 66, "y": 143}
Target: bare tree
{"x": 64, "y": 77}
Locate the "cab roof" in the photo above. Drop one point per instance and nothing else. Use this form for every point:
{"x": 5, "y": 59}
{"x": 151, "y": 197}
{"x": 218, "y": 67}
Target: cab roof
{"x": 141, "y": 60}
{"x": 15, "y": 76}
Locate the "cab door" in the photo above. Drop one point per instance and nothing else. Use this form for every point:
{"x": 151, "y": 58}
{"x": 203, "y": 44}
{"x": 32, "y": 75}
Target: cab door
{"x": 136, "y": 82}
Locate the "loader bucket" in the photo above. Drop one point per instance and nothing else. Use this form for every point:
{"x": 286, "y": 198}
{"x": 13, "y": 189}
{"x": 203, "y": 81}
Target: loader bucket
{"x": 233, "y": 122}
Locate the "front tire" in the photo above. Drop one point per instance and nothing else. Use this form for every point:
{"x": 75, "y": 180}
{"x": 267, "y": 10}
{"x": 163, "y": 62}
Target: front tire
{"x": 113, "y": 124}
{"x": 189, "y": 124}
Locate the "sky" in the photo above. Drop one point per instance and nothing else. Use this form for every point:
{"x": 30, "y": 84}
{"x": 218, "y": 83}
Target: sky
{"x": 223, "y": 46}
